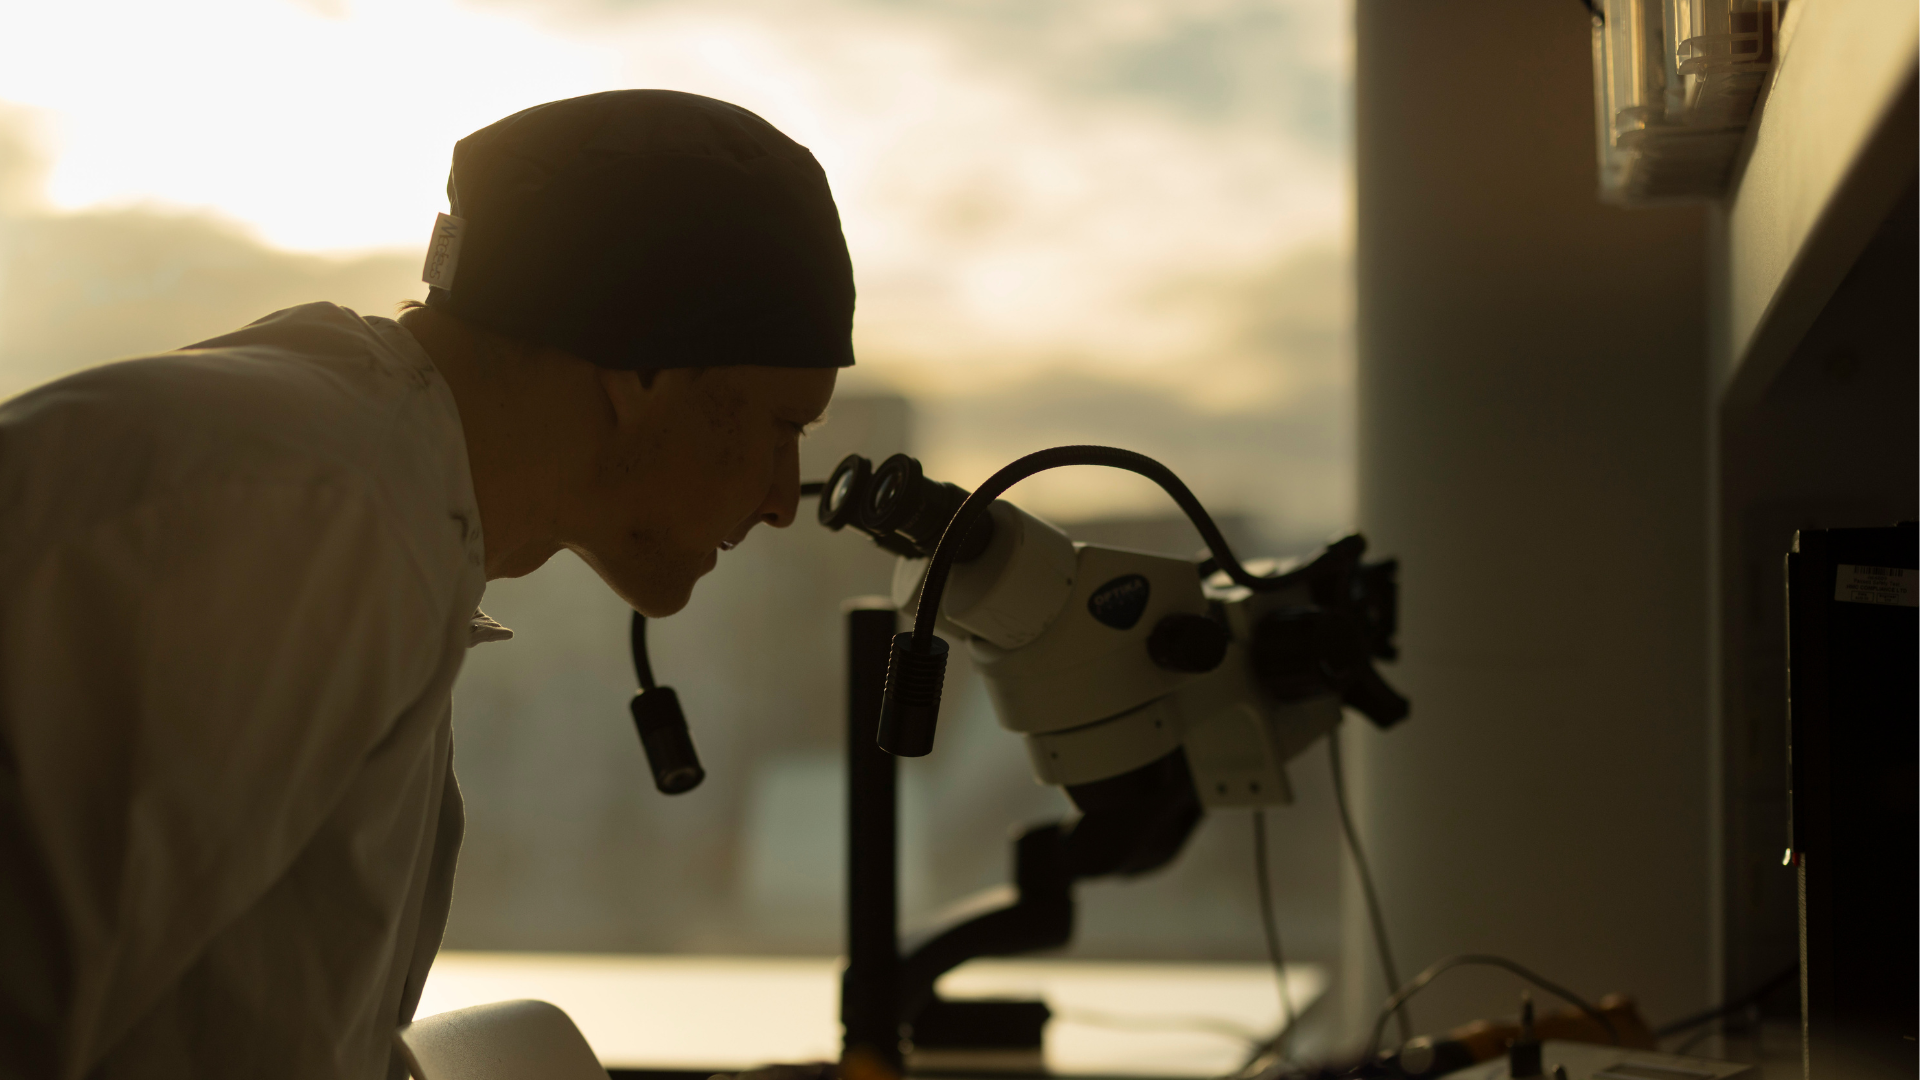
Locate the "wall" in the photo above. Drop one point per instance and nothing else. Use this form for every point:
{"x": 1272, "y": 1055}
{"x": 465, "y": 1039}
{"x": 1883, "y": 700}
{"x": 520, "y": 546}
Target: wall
{"x": 1532, "y": 418}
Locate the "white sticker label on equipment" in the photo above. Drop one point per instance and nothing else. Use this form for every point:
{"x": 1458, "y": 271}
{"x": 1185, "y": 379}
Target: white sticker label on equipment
{"x": 443, "y": 252}
{"x": 1876, "y": 585}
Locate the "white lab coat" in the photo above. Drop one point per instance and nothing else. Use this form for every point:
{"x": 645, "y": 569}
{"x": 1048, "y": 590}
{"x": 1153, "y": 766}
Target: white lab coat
{"x": 236, "y": 584}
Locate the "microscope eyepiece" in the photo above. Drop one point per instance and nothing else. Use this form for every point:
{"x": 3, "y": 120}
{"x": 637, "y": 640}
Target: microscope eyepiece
{"x": 886, "y": 505}
{"x": 841, "y": 495}
{"x": 897, "y": 498}
{"x": 897, "y": 505}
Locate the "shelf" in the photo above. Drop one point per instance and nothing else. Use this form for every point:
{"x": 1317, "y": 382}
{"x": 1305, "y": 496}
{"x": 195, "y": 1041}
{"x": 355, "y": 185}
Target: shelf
{"x": 1833, "y": 149}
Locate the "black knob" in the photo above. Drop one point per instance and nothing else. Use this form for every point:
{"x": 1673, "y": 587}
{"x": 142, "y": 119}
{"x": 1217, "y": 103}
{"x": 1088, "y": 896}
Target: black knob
{"x": 1190, "y": 643}
{"x": 1523, "y": 1053}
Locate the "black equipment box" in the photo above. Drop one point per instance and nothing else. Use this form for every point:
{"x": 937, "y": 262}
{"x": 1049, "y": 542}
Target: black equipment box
{"x": 1853, "y": 699}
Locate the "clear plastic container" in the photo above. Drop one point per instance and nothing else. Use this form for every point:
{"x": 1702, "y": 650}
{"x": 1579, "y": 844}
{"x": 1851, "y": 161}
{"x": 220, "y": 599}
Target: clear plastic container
{"x": 1674, "y": 84}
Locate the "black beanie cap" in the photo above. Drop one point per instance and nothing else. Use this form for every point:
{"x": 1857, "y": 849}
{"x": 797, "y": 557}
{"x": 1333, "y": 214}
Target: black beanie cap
{"x": 647, "y": 229}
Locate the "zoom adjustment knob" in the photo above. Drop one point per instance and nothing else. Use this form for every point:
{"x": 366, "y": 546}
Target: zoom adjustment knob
{"x": 1193, "y": 644}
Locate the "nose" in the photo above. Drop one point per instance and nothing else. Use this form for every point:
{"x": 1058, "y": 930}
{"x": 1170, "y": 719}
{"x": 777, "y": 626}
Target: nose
{"x": 779, "y": 506}
{"x": 782, "y": 503}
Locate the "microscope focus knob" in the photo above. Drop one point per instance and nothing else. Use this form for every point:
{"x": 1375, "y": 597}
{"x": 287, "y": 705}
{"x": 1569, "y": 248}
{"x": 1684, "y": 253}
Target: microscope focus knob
{"x": 1189, "y": 643}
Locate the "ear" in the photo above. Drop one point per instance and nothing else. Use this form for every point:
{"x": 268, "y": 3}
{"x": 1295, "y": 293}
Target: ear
{"x": 630, "y": 395}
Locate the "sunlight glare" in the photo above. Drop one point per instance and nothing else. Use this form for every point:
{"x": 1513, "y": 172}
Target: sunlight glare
{"x": 998, "y": 224}
{"x": 323, "y": 133}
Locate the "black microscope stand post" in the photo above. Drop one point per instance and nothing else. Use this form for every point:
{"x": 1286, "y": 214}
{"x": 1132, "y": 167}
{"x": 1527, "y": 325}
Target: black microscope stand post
{"x": 869, "y": 990}
{"x": 882, "y": 991}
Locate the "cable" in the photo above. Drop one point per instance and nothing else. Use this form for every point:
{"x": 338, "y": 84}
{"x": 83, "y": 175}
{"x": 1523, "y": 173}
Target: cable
{"x": 1379, "y": 921}
{"x": 637, "y": 640}
{"x": 1747, "y": 1000}
{"x": 1420, "y": 981}
{"x": 1270, "y": 924}
{"x": 1686, "y": 1045}
{"x": 1040, "y": 461}
{"x": 812, "y": 487}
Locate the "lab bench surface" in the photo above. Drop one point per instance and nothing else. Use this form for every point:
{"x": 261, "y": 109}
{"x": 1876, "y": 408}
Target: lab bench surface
{"x": 687, "y": 1017}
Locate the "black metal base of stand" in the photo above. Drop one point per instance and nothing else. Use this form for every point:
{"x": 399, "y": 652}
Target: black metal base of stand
{"x": 980, "y": 1025}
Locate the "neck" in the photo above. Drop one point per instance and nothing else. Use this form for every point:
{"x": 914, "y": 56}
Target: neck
{"x": 528, "y": 423}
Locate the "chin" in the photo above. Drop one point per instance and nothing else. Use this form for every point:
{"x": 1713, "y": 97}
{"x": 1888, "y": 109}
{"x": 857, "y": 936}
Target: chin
{"x": 658, "y": 599}
{"x": 650, "y": 590}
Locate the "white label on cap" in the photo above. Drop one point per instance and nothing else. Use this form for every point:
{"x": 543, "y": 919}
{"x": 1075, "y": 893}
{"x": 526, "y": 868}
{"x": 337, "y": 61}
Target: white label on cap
{"x": 443, "y": 252}
{"x": 1876, "y": 585}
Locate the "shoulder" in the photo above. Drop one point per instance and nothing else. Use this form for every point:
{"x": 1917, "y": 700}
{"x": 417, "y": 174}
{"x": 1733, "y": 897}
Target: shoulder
{"x": 310, "y": 367}
{"x": 311, "y": 396}
{"x": 294, "y": 378}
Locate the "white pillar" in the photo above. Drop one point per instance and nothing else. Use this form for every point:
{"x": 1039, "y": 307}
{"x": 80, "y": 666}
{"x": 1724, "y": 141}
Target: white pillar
{"x": 1533, "y": 447}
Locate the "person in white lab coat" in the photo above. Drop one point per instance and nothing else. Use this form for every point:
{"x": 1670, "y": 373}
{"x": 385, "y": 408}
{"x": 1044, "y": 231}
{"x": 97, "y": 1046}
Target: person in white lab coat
{"x": 237, "y": 581}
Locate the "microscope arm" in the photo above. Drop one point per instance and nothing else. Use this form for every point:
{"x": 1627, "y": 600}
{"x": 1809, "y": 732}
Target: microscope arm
{"x": 1130, "y": 824}
{"x": 1040, "y": 917}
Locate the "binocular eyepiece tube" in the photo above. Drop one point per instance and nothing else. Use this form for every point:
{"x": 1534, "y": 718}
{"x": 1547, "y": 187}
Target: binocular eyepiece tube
{"x": 897, "y": 505}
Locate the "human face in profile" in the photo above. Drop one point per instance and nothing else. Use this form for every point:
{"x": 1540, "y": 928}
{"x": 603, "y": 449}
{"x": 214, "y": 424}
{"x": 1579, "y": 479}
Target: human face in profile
{"x": 700, "y": 457}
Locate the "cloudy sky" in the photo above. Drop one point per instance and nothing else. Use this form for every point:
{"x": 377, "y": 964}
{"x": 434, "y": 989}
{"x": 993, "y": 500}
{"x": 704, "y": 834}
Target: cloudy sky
{"x": 1088, "y": 220}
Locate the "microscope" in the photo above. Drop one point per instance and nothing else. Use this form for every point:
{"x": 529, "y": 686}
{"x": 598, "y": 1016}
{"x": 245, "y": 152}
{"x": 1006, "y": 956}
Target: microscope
{"x": 1151, "y": 688}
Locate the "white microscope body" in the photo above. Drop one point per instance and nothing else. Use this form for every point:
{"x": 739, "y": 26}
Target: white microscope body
{"x": 1061, "y": 632}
